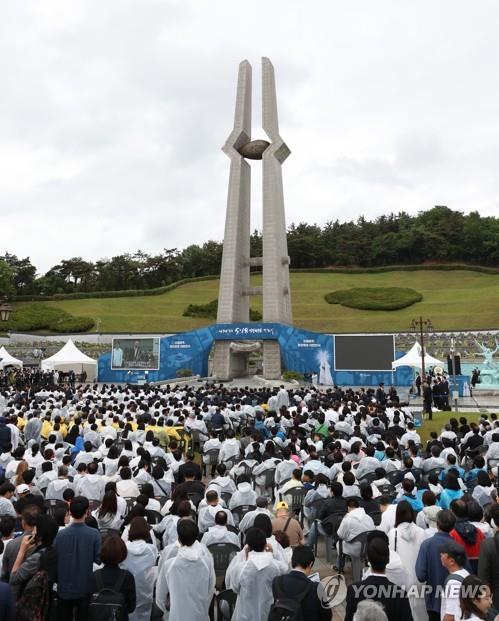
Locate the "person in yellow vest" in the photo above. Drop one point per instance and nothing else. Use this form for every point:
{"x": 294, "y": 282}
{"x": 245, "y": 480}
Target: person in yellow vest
{"x": 21, "y": 423}
{"x": 46, "y": 428}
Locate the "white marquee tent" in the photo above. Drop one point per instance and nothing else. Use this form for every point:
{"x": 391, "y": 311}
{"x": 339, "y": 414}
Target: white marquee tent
{"x": 413, "y": 358}
{"x": 70, "y": 358}
{"x": 7, "y": 360}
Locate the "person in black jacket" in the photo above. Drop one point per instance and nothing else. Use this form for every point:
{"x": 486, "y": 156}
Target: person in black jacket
{"x": 189, "y": 466}
{"x": 377, "y": 586}
{"x": 114, "y": 552}
{"x": 5, "y": 434}
{"x": 297, "y": 583}
{"x": 334, "y": 505}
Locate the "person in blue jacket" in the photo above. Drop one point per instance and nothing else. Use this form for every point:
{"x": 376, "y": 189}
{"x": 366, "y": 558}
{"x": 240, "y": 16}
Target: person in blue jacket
{"x": 452, "y": 489}
{"x": 429, "y": 568}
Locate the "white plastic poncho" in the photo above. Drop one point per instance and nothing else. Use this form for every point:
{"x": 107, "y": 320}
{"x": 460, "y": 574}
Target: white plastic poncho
{"x": 252, "y": 579}
{"x": 141, "y": 563}
{"x": 189, "y": 579}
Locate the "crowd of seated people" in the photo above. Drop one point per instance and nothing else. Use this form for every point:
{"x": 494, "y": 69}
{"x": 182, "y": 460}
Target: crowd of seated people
{"x": 183, "y": 502}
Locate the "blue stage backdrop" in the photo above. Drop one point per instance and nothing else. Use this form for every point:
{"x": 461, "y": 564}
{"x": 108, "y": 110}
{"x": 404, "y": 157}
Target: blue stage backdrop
{"x": 302, "y": 351}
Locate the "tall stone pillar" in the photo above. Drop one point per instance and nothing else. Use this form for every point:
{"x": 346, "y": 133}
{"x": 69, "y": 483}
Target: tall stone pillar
{"x": 235, "y": 289}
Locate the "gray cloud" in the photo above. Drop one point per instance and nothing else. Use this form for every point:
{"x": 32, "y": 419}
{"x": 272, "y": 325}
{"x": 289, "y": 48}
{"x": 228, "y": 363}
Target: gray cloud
{"x": 113, "y": 114}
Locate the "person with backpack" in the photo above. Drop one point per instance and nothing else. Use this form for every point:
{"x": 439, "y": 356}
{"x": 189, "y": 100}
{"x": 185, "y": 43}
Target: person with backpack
{"x": 295, "y": 595}
{"x": 453, "y": 558}
{"x": 34, "y": 571}
{"x": 113, "y": 589}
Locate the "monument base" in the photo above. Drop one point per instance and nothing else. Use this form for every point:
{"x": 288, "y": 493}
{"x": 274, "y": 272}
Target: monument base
{"x": 228, "y": 364}
{"x": 271, "y": 360}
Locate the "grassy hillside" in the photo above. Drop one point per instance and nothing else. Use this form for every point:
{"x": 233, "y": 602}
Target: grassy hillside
{"x": 452, "y": 299}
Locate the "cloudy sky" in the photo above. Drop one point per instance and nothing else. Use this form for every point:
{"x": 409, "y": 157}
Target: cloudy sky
{"x": 113, "y": 113}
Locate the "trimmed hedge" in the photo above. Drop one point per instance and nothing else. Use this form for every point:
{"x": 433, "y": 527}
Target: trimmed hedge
{"x": 126, "y": 293}
{"x": 209, "y": 311}
{"x": 379, "y": 298}
{"x": 443, "y": 267}
{"x": 41, "y": 317}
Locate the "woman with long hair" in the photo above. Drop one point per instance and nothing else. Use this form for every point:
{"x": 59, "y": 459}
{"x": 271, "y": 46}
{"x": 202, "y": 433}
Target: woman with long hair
{"x": 406, "y": 539}
{"x": 475, "y": 599}
{"x": 22, "y": 467}
{"x": 107, "y": 515}
{"x": 141, "y": 563}
{"x": 33, "y": 456}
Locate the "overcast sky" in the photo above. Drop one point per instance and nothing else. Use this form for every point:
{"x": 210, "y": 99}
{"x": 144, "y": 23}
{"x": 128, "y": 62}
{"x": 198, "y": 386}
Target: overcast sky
{"x": 113, "y": 113}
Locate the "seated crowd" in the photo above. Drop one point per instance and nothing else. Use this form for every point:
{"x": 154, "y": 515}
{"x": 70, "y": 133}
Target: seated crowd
{"x": 205, "y": 502}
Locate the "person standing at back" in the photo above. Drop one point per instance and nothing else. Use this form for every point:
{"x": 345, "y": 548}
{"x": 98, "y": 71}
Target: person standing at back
{"x": 297, "y": 586}
{"x": 188, "y": 578}
{"x": 78, "y": 548}
{"x": 429, "y": 568}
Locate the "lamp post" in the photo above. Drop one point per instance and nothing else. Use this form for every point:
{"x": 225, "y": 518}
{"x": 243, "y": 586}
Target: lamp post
{"x": 5, "y": 309}
{"x": 453, "y": 357}
{"x": 421, "y": 327}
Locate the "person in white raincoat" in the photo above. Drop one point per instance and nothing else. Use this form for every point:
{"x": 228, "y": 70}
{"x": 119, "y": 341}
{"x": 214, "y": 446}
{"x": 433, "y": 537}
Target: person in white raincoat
{"x": 282, "y": 398}
{"x": 250, "y": 574}
{"x": 141, "y": 563}
{"x": 208, "y": 508}
{"x": 406, "y": 539}
{"x": 188, "y": 578}
{"x": 244, "y": 495}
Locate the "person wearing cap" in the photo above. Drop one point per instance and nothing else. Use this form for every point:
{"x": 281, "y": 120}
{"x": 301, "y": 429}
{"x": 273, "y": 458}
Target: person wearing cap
{"x": 453, "y": 558}
{"x": 288, "y": 524}
{"x": 21, "y": 490}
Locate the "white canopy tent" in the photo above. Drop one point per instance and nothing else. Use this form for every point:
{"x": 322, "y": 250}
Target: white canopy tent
{"x": 413, "y": 358}
{"x": 7, "y": 360}
{"x": 70, "y": 358}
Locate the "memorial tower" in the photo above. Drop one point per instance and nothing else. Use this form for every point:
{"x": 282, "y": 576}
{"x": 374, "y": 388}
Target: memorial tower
{"x": 230, "y": 359}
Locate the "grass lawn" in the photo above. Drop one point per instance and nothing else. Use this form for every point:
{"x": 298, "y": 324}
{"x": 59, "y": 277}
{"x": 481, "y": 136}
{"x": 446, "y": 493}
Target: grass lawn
{"x": 440, "y": 419}
{"x": 452, "y": 299}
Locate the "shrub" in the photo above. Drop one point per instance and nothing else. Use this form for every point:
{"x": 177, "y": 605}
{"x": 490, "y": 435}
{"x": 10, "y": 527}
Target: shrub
{"x": 205, "y": 311}
{"x": 288, "y": 376}
{"x": 366, "y": 298}
{"x": 209, "y": 311}
{"x": 34, "y": 317}
{"x": 72, "y": 323}
{"x": 184, "y": 373}
{"x": 255, "y": 315}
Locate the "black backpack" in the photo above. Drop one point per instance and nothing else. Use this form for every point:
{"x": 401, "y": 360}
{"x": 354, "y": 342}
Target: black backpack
{"x": 287, "y": 608}
{"x": 108, "y": 604}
